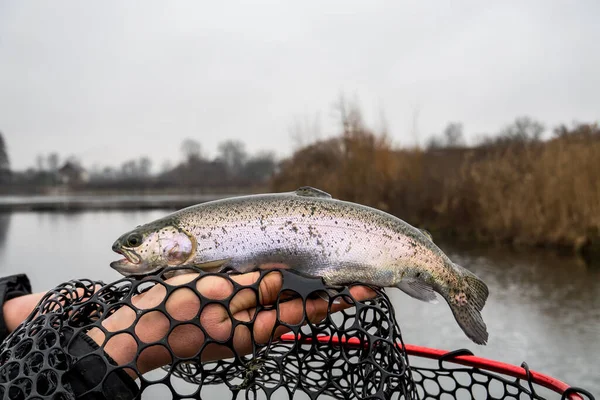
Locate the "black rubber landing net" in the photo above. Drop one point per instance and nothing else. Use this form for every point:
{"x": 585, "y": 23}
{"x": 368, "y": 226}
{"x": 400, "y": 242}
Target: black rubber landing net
{"x": 208, "y": 331}
{"x": 204, "y": 336}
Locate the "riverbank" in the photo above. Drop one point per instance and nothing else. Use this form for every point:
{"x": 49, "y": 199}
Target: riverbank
{"x": 82, "y": 202}
{"x": 515, "y": 190}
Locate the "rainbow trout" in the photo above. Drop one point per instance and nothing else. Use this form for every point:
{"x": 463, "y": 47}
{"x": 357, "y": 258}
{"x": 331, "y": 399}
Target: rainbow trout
{"x": 308, "y": 231}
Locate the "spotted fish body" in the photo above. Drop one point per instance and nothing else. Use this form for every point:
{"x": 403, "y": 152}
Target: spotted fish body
{"x": 308, "y": 231}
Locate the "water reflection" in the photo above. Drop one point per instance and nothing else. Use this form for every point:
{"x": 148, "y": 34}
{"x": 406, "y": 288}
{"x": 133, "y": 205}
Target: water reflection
{"x": 551, "y": 281}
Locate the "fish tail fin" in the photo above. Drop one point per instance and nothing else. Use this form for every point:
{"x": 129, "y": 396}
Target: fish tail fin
{"x": 467, "y": 303}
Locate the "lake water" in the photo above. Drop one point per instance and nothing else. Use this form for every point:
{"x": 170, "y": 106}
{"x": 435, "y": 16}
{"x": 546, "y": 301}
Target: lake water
{"x": 543, "y": 309}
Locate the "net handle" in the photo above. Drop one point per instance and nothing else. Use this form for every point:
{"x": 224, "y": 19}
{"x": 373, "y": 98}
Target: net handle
{"x": 538, "y": 378}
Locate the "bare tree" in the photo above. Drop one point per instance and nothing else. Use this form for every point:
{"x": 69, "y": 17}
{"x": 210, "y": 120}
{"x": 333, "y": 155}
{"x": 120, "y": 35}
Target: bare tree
{"x": 53, "y": 162}
{"x": 451, "y": 137}
{"x": 129, "y": 169}
{"x": 40, "y": 163}
{"x": 305, "y": 130}
{"x": 191, "y": 149}
{"x": 233, "y": 154}
{"x": 349, "y": 115}
{"x": 145, "y": 167}
{"x": 435, "y": 142}
{"x": 453, "y": 134}
{"x": 524, "y": 129}
{"x": 4, "y": 161}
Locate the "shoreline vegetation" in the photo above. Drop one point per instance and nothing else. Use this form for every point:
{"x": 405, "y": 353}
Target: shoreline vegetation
{"x": 514, "y": 188}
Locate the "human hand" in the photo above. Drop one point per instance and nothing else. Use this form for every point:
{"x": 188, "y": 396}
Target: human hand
{"x": 184, "y": 304}
{"x": 17, "y": 309}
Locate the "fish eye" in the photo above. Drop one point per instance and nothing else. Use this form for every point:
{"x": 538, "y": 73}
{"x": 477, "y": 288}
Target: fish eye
{"x": 134, "y": 240}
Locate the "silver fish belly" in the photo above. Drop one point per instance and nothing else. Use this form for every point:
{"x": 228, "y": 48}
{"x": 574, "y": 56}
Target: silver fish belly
{"x": 338, "y": 241}
{"x": 341, "y": 242}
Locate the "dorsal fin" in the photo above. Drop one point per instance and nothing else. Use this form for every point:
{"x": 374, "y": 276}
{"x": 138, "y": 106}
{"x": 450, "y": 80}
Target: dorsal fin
{"x": 426, "y": 233}
{"x": 309, "y": 191}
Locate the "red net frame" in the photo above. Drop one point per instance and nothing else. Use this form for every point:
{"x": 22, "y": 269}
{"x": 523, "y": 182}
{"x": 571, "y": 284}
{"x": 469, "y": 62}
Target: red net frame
{"x": 459, "y": 357}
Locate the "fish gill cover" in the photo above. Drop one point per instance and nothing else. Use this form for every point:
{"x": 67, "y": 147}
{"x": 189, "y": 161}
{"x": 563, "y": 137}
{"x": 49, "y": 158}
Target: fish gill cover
{"x": 41, "y": 359}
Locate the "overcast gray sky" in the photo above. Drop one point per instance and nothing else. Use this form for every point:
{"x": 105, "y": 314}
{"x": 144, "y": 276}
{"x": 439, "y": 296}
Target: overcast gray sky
{"x": 112, "y": 80}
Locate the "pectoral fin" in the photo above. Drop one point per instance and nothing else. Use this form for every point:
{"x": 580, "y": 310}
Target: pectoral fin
{"x": 211, "y": 266}
{"x": 418, "y": 289}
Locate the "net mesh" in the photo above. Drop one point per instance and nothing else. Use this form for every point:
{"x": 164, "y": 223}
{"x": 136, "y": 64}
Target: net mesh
{"x": 448, "y": 381}
{"x": 201, "y": 335}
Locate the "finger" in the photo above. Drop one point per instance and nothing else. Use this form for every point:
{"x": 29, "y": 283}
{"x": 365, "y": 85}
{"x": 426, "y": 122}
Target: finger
{"x": 359, "y": 293}
{"x": 290, "y": 313}
{"x": 317, "y": 309}
{"x": 294, "y": 312}
{"x": 156, "y": 294}
{"x": 268, "y": 290}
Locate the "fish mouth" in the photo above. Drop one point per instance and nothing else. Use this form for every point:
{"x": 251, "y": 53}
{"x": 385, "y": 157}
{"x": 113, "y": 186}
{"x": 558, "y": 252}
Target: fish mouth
{"x": 130, "y": 265}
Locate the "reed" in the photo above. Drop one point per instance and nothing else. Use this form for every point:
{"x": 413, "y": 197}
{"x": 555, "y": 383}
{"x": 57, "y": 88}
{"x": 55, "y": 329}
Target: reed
{"x": 508, "y": 190}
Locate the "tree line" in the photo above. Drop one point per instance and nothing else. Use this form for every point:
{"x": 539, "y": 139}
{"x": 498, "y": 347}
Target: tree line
{"x": 232, "y": 168}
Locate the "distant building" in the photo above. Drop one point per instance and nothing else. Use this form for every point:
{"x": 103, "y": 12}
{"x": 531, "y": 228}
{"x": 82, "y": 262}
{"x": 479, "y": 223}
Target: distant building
{"x": 72, "y": 174}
